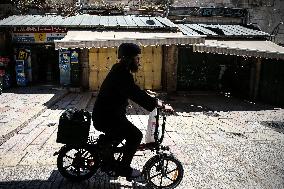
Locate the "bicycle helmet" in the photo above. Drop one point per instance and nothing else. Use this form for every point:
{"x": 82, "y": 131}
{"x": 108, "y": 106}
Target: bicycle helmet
{"x": 128, "y": 50}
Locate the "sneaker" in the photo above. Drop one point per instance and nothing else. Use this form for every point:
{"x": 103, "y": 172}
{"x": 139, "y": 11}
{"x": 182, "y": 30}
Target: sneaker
{"x": 135, "y": 173}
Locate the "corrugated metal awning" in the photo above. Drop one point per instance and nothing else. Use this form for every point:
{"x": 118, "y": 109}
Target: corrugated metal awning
{"x": 90, "y": 21}
{"x": 89, "y": 39}
{"x": 262, "y": 49}
{"x": 228, "y": 30}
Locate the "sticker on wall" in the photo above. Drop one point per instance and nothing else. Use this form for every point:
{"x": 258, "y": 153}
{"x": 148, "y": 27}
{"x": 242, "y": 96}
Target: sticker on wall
{"x": 74, "y": 57}
{"x": 22, "y": 54}
{"x": 40, "y": 37}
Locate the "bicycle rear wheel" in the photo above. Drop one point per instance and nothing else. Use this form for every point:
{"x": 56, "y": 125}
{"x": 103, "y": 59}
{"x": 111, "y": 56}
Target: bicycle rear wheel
{"x": 76, "y": 163}
{"x": 163, "y": 171}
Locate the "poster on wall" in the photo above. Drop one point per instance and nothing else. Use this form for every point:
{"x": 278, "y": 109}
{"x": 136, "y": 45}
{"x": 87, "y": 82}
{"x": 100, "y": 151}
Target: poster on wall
{"x": 64, "y": 66}
{"x": 23, "y": 66}
{"x": 75, "y": 68}
{"x": 74, "y": 57}
{"x": 20, "y": 73}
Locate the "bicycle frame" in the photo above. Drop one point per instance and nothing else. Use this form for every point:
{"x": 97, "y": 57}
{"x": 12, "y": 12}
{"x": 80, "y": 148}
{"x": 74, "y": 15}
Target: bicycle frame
{"x": 102, "y": 154}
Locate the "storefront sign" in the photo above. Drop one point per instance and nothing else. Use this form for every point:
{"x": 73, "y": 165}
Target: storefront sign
{"x": 39, "y": 30}
{"x": 23, "y": 37}
{"x": 40, "y": 37}
{"x": 38, "y": 34}
{"x": 54, "y": 36}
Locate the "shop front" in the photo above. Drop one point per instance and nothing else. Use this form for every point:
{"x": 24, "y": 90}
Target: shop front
{"x": 99, "y": 53}
{"x": 253, "y": 69}
{"x": 36, "y": 60}
{"x": 234, "y": 59}
{"x": 48, "y": 50}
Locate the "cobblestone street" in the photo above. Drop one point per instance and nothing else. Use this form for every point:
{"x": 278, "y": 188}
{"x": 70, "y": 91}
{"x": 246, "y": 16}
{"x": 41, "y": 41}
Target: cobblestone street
{"x": 221, "y": 141}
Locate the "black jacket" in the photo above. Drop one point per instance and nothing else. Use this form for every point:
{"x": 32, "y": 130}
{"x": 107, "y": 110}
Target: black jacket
{"x": 117, "y": 88}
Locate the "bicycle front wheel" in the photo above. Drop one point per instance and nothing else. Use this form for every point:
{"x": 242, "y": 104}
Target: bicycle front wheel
{"x": 163, "y": 171}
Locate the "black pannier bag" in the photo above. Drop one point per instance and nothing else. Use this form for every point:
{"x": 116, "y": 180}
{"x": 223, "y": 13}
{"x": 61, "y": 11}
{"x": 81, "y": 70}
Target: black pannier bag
{"x": 74, "y": 127}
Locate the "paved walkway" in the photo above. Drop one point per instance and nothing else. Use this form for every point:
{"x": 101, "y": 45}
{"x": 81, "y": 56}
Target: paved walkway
{"x": 21, "y": 105}
{"x": 223, "y": 143}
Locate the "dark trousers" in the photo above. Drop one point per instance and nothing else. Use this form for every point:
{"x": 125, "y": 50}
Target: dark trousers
{"x": 120, "y": 129}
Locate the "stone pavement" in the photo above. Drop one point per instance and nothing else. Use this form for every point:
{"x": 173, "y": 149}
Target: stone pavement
{"x": 222, "y": 142}
{"x": 21, "y": 105}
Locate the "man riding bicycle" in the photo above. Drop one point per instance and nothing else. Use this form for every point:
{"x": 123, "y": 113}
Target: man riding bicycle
{"x": 109, "y": 113}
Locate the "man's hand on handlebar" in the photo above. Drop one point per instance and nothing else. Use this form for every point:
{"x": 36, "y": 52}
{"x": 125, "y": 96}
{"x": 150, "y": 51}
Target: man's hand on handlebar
{"x": 166, "y": 107}
{"x": 169, "y": 108}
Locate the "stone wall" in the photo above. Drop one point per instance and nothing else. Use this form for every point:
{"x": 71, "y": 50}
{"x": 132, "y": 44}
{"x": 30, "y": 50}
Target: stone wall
{"x": 266, "y": 14}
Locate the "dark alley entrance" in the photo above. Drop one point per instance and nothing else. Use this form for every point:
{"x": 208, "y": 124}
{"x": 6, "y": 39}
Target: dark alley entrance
{"x": 45, "y": 69}
{"x": 213, "y": 72}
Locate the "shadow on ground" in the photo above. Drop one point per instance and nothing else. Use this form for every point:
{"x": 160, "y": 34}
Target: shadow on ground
{"x": 277, "y": 126}
{"x": 56, "y": 181}
{"x": 204, "y": 101}
{"x": 40, "y": 89}
{"x": 212, "y": 102}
